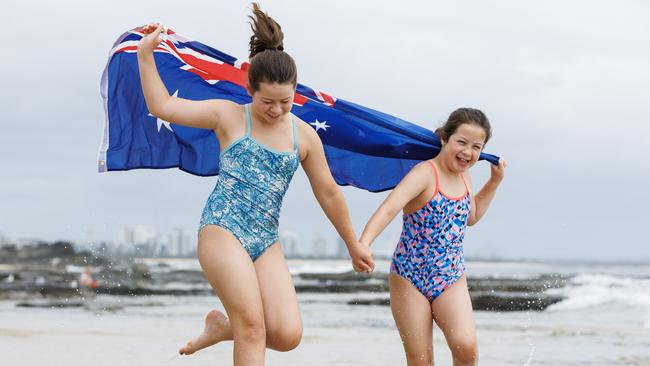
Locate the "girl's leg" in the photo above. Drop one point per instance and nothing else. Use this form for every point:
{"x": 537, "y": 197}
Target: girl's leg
{"x": 452, "y": 311}
{"x": 231, "y": 273}
{"x": 412, "y": 314}
{"x": 281, "y": 312}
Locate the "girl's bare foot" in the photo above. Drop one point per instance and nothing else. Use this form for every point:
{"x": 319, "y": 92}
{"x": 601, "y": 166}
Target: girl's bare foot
{"x": 217, "y": 329}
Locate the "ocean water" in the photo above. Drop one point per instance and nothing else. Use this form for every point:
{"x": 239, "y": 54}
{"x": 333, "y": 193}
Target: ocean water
{"x": 603, "y": 320}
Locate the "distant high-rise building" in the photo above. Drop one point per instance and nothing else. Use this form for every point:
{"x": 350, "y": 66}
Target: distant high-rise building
{"x": 144, "y": 240}
{"x": 138, "y": 234}
{"x": 341, "y": 248}
{"x": 180, "y": 243}
{"x": 289, "y": 242}
{"x": 319, "y": 247}
{"x": 138, "y": 239}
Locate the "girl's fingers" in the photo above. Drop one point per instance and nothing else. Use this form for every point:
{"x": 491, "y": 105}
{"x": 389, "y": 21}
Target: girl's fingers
{"x": 370, "y": 264}
{"x": 155, "y": 28}
{"x": 362, "y": 266}
{"x": 502, "y": 163}
{"x": 366, "y": 267}
{"x": 148, "y": 28}
{"x": 356, "y": 267}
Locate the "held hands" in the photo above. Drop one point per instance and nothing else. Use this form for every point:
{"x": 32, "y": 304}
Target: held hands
{"x": 362, "y": 260}
{"x": 152, "y": 37}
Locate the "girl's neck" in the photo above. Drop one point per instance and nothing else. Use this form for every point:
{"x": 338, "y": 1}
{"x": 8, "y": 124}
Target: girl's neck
{"x": 443, "y": 168}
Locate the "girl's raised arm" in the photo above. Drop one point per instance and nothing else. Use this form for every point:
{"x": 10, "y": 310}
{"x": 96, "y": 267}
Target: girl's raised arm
{"x": 201, "y": 114}
{"x": 483, "y": 198}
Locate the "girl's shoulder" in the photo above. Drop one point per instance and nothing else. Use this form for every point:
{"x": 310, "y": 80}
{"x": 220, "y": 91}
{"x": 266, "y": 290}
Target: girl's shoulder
{"x": 426, "y": 167}
{"x": 232, "y": 115}
{"x": 306, "y": 133}
{"x": 303, "y": 127}
{"x": 423, "y": 172}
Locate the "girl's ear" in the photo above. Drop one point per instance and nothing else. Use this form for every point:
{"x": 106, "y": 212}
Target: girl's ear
{"x": 443, "y": 142}
{"x": 249, "y": 90}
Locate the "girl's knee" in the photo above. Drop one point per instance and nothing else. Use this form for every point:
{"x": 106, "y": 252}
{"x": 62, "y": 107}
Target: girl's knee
{"x": 284, "y": 339}
{"x": 464, "y": 350}
{"x": 248, "y": 327}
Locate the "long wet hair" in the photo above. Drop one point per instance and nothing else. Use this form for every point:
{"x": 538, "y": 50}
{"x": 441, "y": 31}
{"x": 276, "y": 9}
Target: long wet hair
{"x": 268, "y": 61}
{"x": 461, "y": 116}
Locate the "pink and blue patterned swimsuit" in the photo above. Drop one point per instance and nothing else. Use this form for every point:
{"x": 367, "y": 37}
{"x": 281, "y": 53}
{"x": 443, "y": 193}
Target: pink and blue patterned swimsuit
{"x": 430, "y": 250}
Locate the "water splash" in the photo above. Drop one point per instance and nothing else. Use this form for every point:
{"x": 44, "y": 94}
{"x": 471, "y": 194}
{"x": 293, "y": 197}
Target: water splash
{"x": 590, "y": 290}
{"x": 531, "y": 345}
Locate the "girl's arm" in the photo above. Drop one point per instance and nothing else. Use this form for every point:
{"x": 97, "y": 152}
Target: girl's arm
{"x": 330, "y": 197}
{"x": 483, "y": 198}
{"x": 201, "y": 114}
{"x": 411, "y": 186}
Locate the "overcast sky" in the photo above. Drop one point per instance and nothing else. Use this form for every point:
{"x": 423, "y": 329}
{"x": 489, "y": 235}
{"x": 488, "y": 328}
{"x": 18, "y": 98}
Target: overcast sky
{"x": 566, "y": 86}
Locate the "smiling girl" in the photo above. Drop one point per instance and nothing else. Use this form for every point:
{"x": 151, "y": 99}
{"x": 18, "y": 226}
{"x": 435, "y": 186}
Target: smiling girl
{"x": 262, "y": 146}
{"x": 427, "y": 274}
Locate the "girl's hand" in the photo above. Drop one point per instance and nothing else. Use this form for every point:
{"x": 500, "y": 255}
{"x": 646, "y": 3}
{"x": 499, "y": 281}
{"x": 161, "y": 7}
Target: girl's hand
{"x": 498, "y": 171}
{"x": 152, "y": 37}
{"x": 362, "y": 258}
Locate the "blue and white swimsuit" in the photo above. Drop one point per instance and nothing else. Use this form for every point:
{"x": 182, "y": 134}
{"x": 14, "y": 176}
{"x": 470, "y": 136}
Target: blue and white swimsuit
{"x": 247, "y": 197}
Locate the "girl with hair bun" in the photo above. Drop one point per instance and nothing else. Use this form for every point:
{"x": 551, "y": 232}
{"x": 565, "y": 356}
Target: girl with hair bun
{"x": 262, "y": 146}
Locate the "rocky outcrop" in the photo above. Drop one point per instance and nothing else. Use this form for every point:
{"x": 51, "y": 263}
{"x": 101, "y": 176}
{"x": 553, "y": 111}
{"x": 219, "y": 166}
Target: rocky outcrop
{"x": 51, "y": 272}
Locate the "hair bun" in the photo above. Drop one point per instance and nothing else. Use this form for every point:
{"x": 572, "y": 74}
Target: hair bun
{"x": 267, "y": 33}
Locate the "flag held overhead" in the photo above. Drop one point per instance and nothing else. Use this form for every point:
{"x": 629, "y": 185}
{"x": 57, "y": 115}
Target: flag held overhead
{"x": 364, "y": 147}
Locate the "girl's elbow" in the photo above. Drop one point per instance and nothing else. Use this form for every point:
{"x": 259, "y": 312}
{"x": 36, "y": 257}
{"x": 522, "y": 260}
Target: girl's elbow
{"x": 156, "y": 113}
{"x": 472, "y": 221}
{"x": 387, "y": 214}
{"x": 329, "y": 189}
{"x": 155, "y": 109}
{"x": 326, "y": 193}
{"x": 160, "y": 108}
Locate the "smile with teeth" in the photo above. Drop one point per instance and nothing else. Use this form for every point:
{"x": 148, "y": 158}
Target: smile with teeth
{"x": 466, "y": 161}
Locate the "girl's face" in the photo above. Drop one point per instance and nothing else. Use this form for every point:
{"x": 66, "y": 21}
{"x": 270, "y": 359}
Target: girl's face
{"x": 462, "y": 149}
{"x": 272, "y": 102}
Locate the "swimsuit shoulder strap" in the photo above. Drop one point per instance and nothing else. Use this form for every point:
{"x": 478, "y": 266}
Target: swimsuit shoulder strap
{"x": 467, "y": 188}
{"x": 295, "y": 132}
{"x": 248, "y": 119}
{"x": 435, "y": 171}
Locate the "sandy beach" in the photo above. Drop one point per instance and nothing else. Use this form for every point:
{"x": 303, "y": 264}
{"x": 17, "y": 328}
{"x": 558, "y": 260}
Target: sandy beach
{"x": 149, "y": 330}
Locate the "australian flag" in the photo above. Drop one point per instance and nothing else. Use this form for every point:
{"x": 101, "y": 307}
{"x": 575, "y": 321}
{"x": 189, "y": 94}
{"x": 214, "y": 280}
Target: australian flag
{"x": 365, "y": 148}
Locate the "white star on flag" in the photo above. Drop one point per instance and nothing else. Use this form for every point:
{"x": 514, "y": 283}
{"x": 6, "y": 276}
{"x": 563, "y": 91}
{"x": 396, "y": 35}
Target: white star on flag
{"x": 160, "y": 122}
{"x": 318, "y": 125}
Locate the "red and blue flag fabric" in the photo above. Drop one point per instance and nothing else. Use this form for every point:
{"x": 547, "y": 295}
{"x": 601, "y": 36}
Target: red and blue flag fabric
{"x": 365, "y": 148}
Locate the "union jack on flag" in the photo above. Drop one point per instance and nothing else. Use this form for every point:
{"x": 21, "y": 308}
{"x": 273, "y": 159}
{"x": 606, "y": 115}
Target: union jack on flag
{"x": 364, "y": 147}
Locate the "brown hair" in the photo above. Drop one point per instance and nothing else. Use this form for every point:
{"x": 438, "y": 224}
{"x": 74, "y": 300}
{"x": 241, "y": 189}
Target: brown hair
{"x": 461, "y": 116}
{"x": 268, "y": 61}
